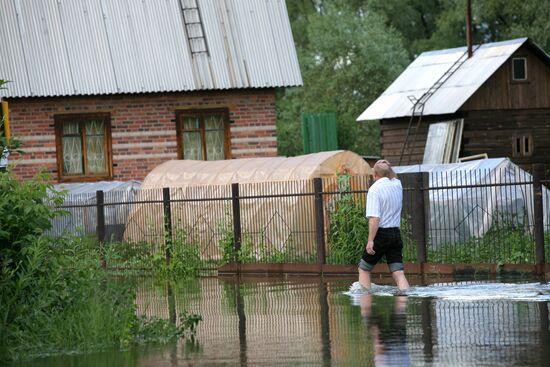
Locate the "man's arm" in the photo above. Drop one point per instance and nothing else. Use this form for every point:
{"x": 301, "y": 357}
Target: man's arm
{"x": 373, "y": 228}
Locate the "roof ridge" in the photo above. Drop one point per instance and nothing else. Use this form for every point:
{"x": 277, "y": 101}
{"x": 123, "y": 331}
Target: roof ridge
{"x": 481, "y": 45}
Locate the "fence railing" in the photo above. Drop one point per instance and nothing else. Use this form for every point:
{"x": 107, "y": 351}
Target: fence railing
{"x": 477, "y": 216}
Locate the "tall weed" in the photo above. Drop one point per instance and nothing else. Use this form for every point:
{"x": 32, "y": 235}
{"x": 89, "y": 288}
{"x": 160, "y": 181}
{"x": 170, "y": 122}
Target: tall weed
{"x": 349, "y": 228}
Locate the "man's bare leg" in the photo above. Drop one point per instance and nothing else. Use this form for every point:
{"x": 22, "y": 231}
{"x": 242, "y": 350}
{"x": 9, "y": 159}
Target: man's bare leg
{"x": 400, "y": 280}
{"x": 364, "y": 278}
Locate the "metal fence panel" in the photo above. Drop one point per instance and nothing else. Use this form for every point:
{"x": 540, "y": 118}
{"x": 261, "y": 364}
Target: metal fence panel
{"x": 482, "y": 216}
{"x": 278, "y": 221}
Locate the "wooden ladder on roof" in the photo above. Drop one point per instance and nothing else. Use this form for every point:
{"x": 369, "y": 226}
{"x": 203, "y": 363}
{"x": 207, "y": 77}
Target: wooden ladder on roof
{"x": 418, "y": 105}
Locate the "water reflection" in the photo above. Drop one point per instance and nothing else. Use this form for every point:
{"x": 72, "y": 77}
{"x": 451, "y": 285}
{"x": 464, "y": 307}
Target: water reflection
{"x": 297, "y": 321}
{"x": 388, "y": 328}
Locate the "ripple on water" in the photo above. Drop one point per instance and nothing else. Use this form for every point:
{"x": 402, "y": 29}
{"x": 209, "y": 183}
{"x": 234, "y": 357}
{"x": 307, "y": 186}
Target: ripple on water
{"x": 466, "y": 291}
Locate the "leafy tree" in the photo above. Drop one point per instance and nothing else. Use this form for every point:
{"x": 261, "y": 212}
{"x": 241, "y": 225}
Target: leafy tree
{"x": 436, "y": 24}
{"x": 351, "y": 50}
{"x": 350, "y": 57}
{"x": 414, "y": 20}
{"x": 505, "y": 19}
{"x": 299, "y": 12}
{"x": 492, "y": 20}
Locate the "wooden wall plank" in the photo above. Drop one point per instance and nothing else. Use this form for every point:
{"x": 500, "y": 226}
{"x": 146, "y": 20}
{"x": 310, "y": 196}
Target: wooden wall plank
{"x": 501, "y": 92}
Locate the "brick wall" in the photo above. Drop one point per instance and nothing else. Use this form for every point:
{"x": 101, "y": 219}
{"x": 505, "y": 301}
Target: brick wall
{"x": 143, "y": 127}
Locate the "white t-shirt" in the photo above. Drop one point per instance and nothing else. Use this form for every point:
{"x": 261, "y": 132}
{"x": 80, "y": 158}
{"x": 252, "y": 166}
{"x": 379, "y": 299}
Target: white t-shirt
{"x": 384, "y": 201}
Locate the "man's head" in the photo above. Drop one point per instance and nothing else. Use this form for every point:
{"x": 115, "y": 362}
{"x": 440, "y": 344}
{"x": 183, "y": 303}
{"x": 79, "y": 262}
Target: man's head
{"x": 382, "y": 168}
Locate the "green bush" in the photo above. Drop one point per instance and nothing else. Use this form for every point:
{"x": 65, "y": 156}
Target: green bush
{"x": 226, "y": 245}
{"x": 25, "y": 209}
{"x": 349, "y": 228}
{"x": 54, "y": 296}
{"x": 185, "y": 258}
{"x": 154, "y": 330}
{"x": 506, "y": 244}
{"x": 128, "y": 255}
{"x": 257, "y": 252}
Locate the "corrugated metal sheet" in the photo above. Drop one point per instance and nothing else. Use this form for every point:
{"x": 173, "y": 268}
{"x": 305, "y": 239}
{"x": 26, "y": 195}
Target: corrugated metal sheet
{"x": 427, "y": 68}
{"x": 84, "y": 47}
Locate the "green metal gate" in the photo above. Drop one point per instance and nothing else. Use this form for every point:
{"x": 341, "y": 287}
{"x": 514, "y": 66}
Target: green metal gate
{"x": 319, "y": 132}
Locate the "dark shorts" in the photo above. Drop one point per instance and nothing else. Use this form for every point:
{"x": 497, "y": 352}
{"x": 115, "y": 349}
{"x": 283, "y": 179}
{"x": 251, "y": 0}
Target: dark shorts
{"x": 387, "y": 242}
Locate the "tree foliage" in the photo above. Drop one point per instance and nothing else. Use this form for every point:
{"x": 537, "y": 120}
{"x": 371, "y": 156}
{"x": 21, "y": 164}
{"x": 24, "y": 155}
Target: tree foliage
{"x": 348, "y": 58}
{"x": 414, "y": 20}
{"x": 351, "y": 50}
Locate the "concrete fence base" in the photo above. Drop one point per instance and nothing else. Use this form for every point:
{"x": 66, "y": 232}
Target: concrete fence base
{"x": 431, "y": 269}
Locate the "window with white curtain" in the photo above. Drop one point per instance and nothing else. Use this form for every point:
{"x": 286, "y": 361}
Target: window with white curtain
{"x": 203, "y": 134}
{"x": 83, "y": 147}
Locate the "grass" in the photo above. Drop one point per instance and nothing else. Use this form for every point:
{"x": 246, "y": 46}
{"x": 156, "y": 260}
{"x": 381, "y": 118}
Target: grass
{"x": 61, "y": 301}
{"x": 185, "y": 260}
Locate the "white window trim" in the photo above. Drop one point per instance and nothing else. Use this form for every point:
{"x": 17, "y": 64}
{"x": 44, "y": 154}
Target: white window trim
{"x": 525, "y": 64}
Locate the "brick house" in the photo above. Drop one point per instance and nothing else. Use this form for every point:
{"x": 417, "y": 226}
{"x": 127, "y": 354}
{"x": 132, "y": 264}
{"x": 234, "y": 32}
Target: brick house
{"x": 105, "y": 90}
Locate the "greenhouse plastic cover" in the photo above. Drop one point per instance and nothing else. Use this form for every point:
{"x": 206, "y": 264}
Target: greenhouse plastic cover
{"x": 179, "y": 173}
{"x": 81, "y": 199}
{"x": 462, "y": 213}
{"x": 277, "y": 220}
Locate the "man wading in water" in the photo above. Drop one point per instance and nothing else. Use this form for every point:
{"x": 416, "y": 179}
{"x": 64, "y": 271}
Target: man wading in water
{"x": 384, "y": 203}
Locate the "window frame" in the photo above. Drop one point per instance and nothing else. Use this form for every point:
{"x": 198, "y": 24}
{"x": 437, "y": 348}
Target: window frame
{"x": 514, "y": 68}
{"x": 201, "y": 114}
{"x": 59, "y": 120}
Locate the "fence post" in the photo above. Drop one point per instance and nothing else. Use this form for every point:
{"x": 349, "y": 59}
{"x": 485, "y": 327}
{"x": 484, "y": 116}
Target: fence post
{"x": 538, "y": 173}
{"x": 236, "y": 218}
{"x": 172, "y": 316}
{"x": 319, "y": 220}
{"x": 167, "y": 223}
{"x": 100, "y": 229}
{"x": 419, "y": 222}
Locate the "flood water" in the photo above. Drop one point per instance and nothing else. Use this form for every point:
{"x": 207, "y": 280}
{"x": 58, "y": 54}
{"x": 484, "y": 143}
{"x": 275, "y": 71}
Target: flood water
{"x": 314, "y": 322}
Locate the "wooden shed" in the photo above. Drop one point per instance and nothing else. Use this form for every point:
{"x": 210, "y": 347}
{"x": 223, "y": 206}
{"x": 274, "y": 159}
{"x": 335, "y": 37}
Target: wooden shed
{"x": 446, "y": 107}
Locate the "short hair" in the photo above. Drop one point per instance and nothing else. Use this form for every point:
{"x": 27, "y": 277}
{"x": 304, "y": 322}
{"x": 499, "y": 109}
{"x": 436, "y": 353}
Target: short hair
{"x": 383, "y": 169}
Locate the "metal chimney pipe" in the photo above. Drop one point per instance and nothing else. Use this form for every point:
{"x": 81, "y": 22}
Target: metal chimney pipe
{"x": 469, "y": 27}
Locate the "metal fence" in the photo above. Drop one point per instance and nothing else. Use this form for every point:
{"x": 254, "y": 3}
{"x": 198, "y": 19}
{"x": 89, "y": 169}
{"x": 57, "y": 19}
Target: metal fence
{"x": 482, "y": 216}
{"x": 477, "y": 219}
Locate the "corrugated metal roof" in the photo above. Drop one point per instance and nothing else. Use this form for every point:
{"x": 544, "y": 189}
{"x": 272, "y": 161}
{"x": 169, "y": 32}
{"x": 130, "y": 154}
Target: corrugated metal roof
{"x": 83, "y": 47}
{"x": 427, "y": 68}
